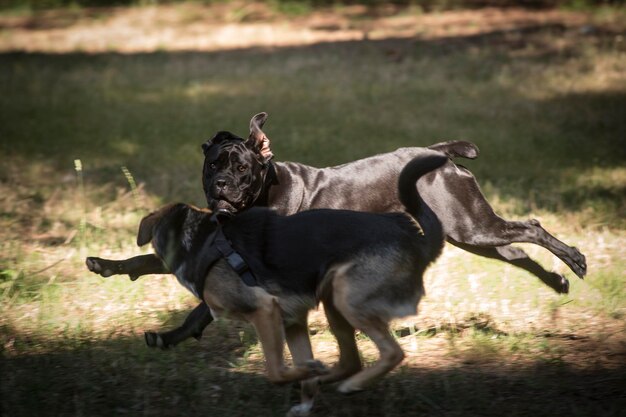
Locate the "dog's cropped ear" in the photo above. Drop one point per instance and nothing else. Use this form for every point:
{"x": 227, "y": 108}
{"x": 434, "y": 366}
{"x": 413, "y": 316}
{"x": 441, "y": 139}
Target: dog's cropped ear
{"x": 258, "y": 141}
{"x": 205, "y": 147}
{"x": 146, "y": 226}
{"x": 219, "y": 137}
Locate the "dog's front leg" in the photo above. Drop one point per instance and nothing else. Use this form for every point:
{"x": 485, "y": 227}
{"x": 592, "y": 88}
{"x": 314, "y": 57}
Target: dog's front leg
{"x": 134, "y": 267}
{"x": 268, "y": 323}
{"x": 300, "y": 347}
{"x": 193, "y": 326}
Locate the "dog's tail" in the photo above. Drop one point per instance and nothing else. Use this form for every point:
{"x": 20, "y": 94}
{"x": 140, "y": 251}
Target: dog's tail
{"x": 456, "y": 148}
{"x": 414, "y": 204}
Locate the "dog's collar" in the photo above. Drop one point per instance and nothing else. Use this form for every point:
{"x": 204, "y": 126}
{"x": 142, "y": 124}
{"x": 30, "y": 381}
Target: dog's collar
{"x": 219, "y": 247}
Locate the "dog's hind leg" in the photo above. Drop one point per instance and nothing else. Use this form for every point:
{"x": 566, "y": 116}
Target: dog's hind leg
{"x": 268, "y": 323}
{"x": 499, "y": 233}
{"x": 349, "y": 359}
{"x": 391, "y": 355}
{"x": 134, "y": 267}
{"x": 193, "y": 326}
{"x": 300, "y": 347}
{"x": 454, "y": 195}
{"x": 519, "y": 258}
{"x": 364, "y": 303}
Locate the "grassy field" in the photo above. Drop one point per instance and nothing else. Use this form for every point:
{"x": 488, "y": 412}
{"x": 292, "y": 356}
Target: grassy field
{"x": 101, "y": 120}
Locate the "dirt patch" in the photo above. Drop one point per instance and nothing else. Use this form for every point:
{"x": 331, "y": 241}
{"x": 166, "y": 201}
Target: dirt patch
{"x": 244, "y": 25}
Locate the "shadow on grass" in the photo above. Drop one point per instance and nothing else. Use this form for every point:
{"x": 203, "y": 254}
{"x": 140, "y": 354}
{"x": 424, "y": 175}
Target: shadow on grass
{"x": 120, "y": 376}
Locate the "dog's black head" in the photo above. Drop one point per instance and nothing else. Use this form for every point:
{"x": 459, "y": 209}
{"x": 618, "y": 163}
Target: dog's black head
{"x": 234, "y": 168}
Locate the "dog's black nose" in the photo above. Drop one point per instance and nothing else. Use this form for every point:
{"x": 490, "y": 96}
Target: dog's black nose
{"x": 220, "y": 183}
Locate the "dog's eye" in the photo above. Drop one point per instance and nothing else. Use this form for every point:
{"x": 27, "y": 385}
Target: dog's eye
{"x": 212, "y": 166}
{"x": 242, "y": 168}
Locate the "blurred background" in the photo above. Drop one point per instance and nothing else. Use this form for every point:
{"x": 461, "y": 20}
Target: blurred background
{"x": 104, "y": 106}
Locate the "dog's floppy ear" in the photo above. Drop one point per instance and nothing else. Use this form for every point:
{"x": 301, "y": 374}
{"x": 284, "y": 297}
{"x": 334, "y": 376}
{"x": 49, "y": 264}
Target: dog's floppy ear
{"x": 146, "y": 226}
{"x": 257, "y": 140}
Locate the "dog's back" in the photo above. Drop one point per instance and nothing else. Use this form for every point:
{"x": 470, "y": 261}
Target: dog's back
{"x": 295, "y": 252}
{"x": 298, "y": 253}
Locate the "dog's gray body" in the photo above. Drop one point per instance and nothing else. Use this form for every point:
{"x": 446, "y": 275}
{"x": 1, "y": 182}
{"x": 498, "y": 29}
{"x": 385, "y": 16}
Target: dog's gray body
{"x": 451, "y": 191}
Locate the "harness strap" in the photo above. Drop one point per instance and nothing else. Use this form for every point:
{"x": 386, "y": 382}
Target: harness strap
{"x": 233, "y": 258}
{"x": 213, "y": 250}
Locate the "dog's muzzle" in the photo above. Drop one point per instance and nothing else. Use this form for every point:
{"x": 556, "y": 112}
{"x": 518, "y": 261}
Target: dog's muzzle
{"x": 226, "y": 191}
{"x": 223, "y": 208}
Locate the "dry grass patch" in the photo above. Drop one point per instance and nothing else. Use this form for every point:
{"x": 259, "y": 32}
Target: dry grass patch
{"x": 232, "y": 25}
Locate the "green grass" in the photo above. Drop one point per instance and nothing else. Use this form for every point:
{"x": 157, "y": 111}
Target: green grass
{"x": 119, "y": 110}
{"x": 547, "y": 113}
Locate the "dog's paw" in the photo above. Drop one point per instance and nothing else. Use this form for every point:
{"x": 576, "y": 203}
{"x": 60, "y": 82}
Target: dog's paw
{"x": 301, "y": 410}
{"x": 348, "y": 387}
{"x": 154, "y": 340}
{"x": 557, "y": 282}
{"x": 99, "y": 266}
{"x": 316, "y": 368}
{"x": 579, "y": 263}
{"x": 564, "y": 285}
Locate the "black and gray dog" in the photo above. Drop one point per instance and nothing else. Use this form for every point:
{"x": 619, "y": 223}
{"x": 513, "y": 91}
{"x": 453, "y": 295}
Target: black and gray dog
{"x": 239, "y": 174}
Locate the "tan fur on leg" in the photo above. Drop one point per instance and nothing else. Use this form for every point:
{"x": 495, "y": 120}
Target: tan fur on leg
{"x": 267, "y": 322}
{"x": 377, "y": 329}
{"x": 302, "y": 354}
{"x": 349, "y": 359}
{"x": 391, "y": 355}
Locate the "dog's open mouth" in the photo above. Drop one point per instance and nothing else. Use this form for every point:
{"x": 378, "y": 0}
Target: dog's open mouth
{"x": 224, "y": 206}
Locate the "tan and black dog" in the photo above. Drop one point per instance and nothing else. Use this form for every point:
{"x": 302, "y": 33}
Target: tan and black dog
{"x": 365, "y": 268}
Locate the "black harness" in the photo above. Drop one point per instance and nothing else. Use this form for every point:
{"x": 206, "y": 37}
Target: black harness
{"x": 213, "y": 250}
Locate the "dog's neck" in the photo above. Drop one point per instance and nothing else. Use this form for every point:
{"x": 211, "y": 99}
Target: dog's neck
{"x": 270, "y": 180}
